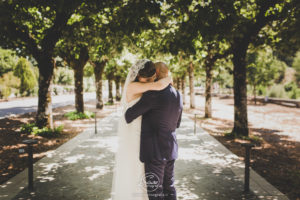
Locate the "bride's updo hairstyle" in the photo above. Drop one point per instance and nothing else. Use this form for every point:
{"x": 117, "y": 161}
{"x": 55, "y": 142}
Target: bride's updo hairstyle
{"x": 148, "y": 71}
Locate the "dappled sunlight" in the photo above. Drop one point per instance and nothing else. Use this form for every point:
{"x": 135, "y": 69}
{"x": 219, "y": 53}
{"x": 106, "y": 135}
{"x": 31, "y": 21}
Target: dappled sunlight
{"x": 204, "y": 169}
{"x": 97, "y": 171}
{"x": 13, "y": 147}
{"x": 110, "y": 143}
{"x": 48, "y": 167}
{"x": 73, "y": 159}
{"x": 36, "y": 155}
{"x": 44, "y": 178}
{"x": 205, "y": 153}
{"x": 185, "y": 192}
{"x": 50, "y": 142}
{"x": 53, "y": 153}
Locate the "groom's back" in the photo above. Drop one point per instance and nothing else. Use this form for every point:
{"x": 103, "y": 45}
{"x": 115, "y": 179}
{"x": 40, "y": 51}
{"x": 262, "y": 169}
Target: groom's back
{"x": 167, "y": 112}
{"x": 158, "y": 139}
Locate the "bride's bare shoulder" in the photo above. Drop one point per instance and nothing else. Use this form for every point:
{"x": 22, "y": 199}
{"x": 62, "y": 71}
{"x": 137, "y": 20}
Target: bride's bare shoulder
{"x": 131, "y": 97}
{"x": 131, "y": 94}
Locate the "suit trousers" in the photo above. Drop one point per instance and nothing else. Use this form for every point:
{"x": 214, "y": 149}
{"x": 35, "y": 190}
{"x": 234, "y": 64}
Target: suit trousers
{"x": 160, "y": 179}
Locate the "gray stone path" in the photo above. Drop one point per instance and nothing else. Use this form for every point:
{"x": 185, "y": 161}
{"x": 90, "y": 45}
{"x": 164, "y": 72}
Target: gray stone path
{"x": 82, "y": 169}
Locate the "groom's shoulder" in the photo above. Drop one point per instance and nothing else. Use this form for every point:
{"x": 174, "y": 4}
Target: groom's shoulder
{"x": 174, "y": 90}
{"x": 176, "y": 93}
{"x": 150, "y": 93}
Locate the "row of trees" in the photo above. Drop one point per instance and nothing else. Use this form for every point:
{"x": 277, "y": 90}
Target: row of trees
{"x": 77, "y": 31}
{"x": 185, "y": 34}
{"x": 230, "y": 30}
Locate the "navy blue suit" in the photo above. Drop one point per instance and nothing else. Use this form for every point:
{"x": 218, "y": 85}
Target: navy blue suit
{"x": 161, "y": 115}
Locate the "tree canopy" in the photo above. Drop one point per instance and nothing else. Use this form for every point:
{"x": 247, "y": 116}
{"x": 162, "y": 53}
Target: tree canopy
{"x": 187, "y": 34}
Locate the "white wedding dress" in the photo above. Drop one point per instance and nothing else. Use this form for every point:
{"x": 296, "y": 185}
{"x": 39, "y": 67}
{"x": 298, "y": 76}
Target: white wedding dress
{"x": 129, "y": 173}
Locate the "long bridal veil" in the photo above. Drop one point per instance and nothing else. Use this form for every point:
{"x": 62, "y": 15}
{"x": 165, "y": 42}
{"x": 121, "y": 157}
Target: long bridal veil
{"x": 128, "y": 178}
{"x": 132, "y": 74}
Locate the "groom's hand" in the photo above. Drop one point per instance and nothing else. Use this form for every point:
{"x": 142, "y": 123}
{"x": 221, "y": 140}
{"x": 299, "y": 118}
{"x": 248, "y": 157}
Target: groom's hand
{"x": 141, "y": 107}
{"x": 128, "y": 119}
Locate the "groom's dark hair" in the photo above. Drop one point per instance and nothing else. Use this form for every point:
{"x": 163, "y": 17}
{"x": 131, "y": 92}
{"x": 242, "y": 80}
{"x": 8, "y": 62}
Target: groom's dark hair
{"x": 148, "y": 71}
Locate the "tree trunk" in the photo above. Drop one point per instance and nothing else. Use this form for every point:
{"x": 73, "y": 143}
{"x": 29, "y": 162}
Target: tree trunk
{"x": 122, "y": 86}
{"x": 254, "y": 93}
{"x": 183, "y": 88}
{"x": 178, "y": 84}
{"x": 118, "y": 94}
{"x": 191, "y": 83}
{"x": 44, "y": 112}
{"x": 78, "y": 66}
{"x": 110, "y": 94}
{"x": 98, "y": 71}
{"x": 240, "y": 93}
{"x": 78, "y": 78}
{"x": 208, "y": 90}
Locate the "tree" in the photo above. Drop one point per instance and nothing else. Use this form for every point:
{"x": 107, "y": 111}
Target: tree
{"x": 201, "y": 39}
{"x": 102, "y": 50}
{"x": 251, "y": 31}
{"x": 8, "y": 61}
{"x": 117, "y": 29}
{"x": 110, "y": 74}
{"x": 76, "y": 55}
{"x": 63, "y": 75}
{"x": 296, "y": 66}
{"x": 191, "y": 85}
{"x": 75, "y": 52}
{"x": 224, "y": 71}
{"x": 98, "y": 52}
{"x": 120, "y": 75}
{"x": 286, "y": 42}
{"x": 262, "y": 69}
{"x": 9, "y": 84}
{"x": 78, "y": 66}
{"x": 177, "y": 67}
{"x": 241, "y": 24}
{"x": 34, "y": 27}
{"x": 84, "y": 35}
{"x": 98, "y": 72}
{"x": 25, "y": 73}
{"x": 126, "y": 66}
{"x": 198, "y": 36}
{"x": 101, "y": 53}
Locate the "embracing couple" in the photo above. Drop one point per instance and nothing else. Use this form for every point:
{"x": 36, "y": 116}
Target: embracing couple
{"x": 147, "y": 145}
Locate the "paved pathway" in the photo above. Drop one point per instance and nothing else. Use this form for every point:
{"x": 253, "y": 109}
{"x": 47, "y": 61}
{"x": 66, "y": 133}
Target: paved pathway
{"x": 82, "y": 169}
{"x": 16, "y": 107}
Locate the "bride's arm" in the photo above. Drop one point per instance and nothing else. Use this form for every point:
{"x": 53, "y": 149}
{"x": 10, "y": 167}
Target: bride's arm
{"x": 138, "y": 87}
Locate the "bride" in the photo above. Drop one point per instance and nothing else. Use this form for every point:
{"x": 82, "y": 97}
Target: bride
{"x": 129, "y": 173}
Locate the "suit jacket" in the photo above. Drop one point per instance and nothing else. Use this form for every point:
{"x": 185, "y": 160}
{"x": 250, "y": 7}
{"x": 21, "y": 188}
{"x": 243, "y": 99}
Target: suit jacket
{"x": 161, "y": 112}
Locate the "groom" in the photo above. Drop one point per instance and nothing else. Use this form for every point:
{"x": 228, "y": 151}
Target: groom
{"x": 161, "y": 111}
